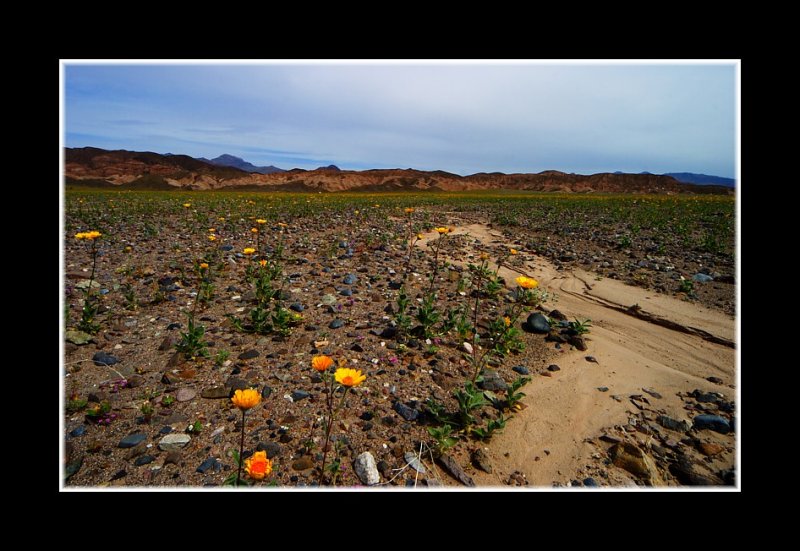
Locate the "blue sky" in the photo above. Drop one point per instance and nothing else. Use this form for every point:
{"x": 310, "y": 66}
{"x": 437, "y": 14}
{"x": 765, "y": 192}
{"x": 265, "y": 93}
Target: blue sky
{"x": 463, "y": 118}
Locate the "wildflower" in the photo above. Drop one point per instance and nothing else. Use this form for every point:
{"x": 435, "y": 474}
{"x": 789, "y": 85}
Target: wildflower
{"x": 249, "y": 250}
{"x": 349, "y": 377}
{"x": 245, "y": 399}
{"x": 507, "y": 321}
{"x": 212, "y": 237}
{"x": 90, "y": 235}
{"x": 221, "y": 219}
{"x": 254, "y": 230}
{"x": 420, "y": 236}
{"x": 262, "y": 262}
{"x": 321, "y": 363}
{"x": 212, "y": 230}
{"x": 204, "y": 265}
{"x": 257, "y": 465}
{"x": 409, "y": 210}
{"x": 187, "y": 205}
{"x": 261, "y": 221}
{"x": 443, "y": 230}
{"x": 513, "y": 251}
{"x": 128, "y": 249}
{"x": 484, "y": 256}
{"x": 283, "y": 224}
{"x": 527, "y": 282}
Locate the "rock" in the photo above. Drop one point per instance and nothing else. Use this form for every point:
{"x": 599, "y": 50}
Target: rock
{"x": 131, "y": 440}
{"x": 346, "y": 292}
{"x": 173, "y": 442}
{"x": 144, "y": 460}
{"x": 652, "y": 393}
{"x": 413, "y": 461}
{"x": 631, "y": 458}
{"x": 578, "y": 342}
{"x": 350, "y": 279}
{"x": 592, "y": 359}
{"x": 185, "y": 394}
{"x": 328, "y": 300}
{"x": 249, "y": 354}
{"x": 303, "y": 464}
{"x": 78, "y": 431}
{"x": 557, "y": 315}
{"x": 553, "y": 367}
{"x": 492, "y": 381}
{"x": 298, "y": 395}
{"x": 715, "y": 380}
{"x": 273, "y": 449}
{"x": 84, "y": 284}
{"x": 78, "y": 337}
{"x": 101, "y": 359}
{"x": 537, "y": 323}
{"x": 481, "y": 460}
{"x": 602, "y": 388}
{"x": 336, "y": 324}
{"x": 673, "y": 424}
{"x": 702, "y": 278}
{"x": 168, "y": 343}
{"x": 712, "y": 422}
{"x": 709, "y": 449}
{"x": 209, "y": 463}
{"x": 296, "y": 307}
{"x": 266, "y": 391}
{"x": 366, "y": 469}
{"x": 707, "y": 397}
{"x": 388, "y": 333}
{"x": 521, "y": 369}
{"x": 407, "y": 413}
{"x": 455, "y": 470}
{"x": 590, "y": 483}
{"x": 135, "y": 381}
{"x": 73, "y": 467}
{"x": 172, "y": 458}
{"x": 216, "y": 392}
{"x": 686, "y": 473}
{"x": 136, "y": 451}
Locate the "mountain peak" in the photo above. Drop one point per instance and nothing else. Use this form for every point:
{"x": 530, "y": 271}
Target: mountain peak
{"x": 331, "y": 168}
{"x": 227, "y": 159}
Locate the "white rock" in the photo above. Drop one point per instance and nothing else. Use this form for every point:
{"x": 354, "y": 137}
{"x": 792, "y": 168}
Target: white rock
{"x": 367, "y": 469}
{"x": 174, "y": 442}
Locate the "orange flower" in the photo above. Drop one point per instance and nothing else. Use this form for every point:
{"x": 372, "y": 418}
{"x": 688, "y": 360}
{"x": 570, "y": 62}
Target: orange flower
{"x": 204, "y": 265}
{"x": 321, "y": 363}
{"x": 513, "y": 251}
{"x": 245, "y": 399}
{"x": 258, "y": 466}
{"x": 249, "y": 250}
{"x": 409, "y": 210}
{"x": 212, "y": 230}
{"x": 527, "y": 282}
{"x": 187, "y": 205}
{"x": 349, "y": 377}
{"x": 254, "y": 230}
{"x": 443, "y": 230}
{"x": 507, "y": 321}
{"x": 262, "y": 262}
{"x": 484, "y": 256}
{"x": 283, "y": 224}
{"x": 261, "y": 221}
{"x": 212, "y": 237}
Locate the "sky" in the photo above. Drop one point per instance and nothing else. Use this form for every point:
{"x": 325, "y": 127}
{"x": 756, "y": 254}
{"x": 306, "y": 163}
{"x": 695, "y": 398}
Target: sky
{"x": 461, "y": 118}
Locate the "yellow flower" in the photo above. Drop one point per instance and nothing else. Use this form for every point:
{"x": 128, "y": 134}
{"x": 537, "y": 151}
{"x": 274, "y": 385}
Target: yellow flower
{"x": 484, "y": 256}
{"x": 283, "y": 224}
{"x": 349, "y": 377}
{"x": 245, "y": 399}
{"x": 187, "y": 205}
{"x": 254, "y": 230}
{"x": 128, "y": 249}
{"x": 90, "y": 235}
{"x": 409, "y": 210}
{"x": 527, "y": 282}
{"x": 221, "y": 219}
{"x": 507, "y": 321}
{"x": 262, "y": 262}
{"x": 321, "y": 363}
{"x": 212, "y": 230}
{"x": 80, "y": 235}
{"x": 513, "y": 251}
{"x": 420, "y": 236}
{"x": 443, "y": 230}
{"x": 257, "y": 465}
{"x": 204, "y": 265}
{"x": 261, "y": 221}
{"x": 249, "y": 250}
{"x": 212, "y": 237}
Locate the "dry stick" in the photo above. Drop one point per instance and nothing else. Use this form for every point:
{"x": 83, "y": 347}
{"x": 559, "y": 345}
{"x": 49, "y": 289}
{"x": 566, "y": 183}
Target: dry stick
{"x": 241, "y": 451}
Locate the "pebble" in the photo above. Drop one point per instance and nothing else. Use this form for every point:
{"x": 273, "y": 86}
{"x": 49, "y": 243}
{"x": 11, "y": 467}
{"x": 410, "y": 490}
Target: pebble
{"x": 173, "y": 442}
{"x": 78, "y": 337}
{"x": 492, "y": 381}
{"x": 297, "y": 307}
{"x": 590, "y": 482}
{"x": 350, "y": 279}
{"x": 144, "y": 460}
{"x": 592, "y": 359}
{"x": 537, "y": 323}
{"x": 702, "y": 278}
{"x": 131, "y": 440}
{"x": 298, "y": 395}
{"x": 715, "y": 380}
{"x": 709, "y": 449}
{"x": 413, "y": 461}
{"x": 553, "y": 367}
{"x": 336, "y": 324}
{"x": 249, "y": 354}
{"x": 101, "y": 359}
{"x": 481, "y": 460}
{"x": 266, "y": 391}
{"x": 712, "y": 422}
{"x": 209, "y": 463}
{"x": 652, "y": 393}
{"x": 346, "y": 292}
{"x": 328, "y": 299}
{"x": 521, "y": 369}
{"x": 216, "y": 392}
{"x": 602, "y": 388}
{"x": 366, "y": 469}
{"x": 303, "y": 464}
{"x": 673, "y": 424}
{"x": 407, "y": 413}
{"x": 185, "y": 394}
{"x": 273, "y": 449}
{"x": 78, "y": 431}
{"x": 455, "y": 470}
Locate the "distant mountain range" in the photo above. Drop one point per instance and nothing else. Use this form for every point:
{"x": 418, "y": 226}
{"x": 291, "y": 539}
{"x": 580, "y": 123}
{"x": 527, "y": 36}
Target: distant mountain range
{"x": 121, "y": 169}
{"x": 699, "y": 179}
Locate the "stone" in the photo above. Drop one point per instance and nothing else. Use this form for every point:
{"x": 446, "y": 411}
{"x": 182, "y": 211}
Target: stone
{"x": 168, "y": 343}
{"x": 172, "y": 458}
{"x": 174, "y": 442}
{"x": 712, "y": 422}
{"x": 481, "y": 460}
{"x": 296, "y": 307}
{"x": 413, "y": 461}
{"x": 537, "y": 323}
{"x": 131, "y": 440}
{"x": 366, "y": 469}
{"x": 686, "y": 473}
{"x": 209, "y": 463}
{"x": 590, "y": 483}
{"x": 216, "y": 392}
{"x": 521, "y": 369}
{"x": 710, "y": 449}
{"x": 557, "y": 315}
{"x": 266, "y": 392}
{"x": 673, "y": 424}
{"x": 492, "y": 381}
{"x": 455, "y": 470}
{"x": 303, "y": 464}
{"x": 602, "y": 388}
{"x": 350, "y": 279}
{"x": 101, "y": 359}
{"x": 273, "y": 449}
{"x": 298, "y": 395}
{"x": 591, "y": 359}
{"x": 185, "y": 394}
{"x": 328, "y": 300}
{"x": 136, "y": 451}
{"x": 702, "y": 278}
{"x": 652, "y": 393}
{"x": 144, "y": 460}
{"x": 407, "y": 413}
{"x": 578, "y": 342}
{"x": 78, "y": 431}
{"x": 336, "y": 324}
{"x": 715, "y": 380}
{"x": 78, "y": 337}
{"x": 553, "y": 367}
{"x": 73, "y": 467}
{"x": 630, "y": 457}
{"x": 249, "y": 354}
{"x": 84, "y": 284}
